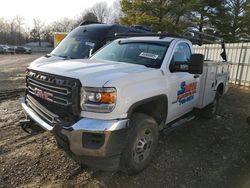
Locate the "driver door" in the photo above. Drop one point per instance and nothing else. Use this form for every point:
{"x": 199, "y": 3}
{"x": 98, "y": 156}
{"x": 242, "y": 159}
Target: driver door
{"x": 184, "y": 86}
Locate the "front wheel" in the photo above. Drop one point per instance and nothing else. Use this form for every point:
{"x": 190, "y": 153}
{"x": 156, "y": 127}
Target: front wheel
{"x": 142, "y": 143}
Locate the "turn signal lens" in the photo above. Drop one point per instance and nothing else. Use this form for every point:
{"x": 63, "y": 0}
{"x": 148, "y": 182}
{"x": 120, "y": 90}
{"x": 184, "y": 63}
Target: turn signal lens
{"x": 108, "y": 98}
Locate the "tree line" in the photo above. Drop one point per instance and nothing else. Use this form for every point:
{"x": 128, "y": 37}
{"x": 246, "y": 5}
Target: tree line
{"x": 16, "y": 32}
{"x": 226, "y": 18}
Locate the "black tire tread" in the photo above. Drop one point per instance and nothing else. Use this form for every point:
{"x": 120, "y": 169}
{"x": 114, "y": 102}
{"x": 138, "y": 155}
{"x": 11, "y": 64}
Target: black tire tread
{"x": 137, "y": 121}
{"x": 207, "y": 112}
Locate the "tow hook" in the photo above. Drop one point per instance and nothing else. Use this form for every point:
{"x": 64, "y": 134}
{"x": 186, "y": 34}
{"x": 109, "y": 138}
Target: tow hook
{"x": 26, "y": 125}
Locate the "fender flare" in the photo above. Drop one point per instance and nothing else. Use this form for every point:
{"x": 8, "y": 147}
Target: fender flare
{"x": 221, "y": 91}
{"x": 161, "y": 97}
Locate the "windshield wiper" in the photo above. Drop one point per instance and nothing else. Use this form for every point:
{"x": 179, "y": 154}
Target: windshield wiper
{"x": 48, "y": 55}
{"x": 64, "y": 56}
{"x": 145, "y": 65}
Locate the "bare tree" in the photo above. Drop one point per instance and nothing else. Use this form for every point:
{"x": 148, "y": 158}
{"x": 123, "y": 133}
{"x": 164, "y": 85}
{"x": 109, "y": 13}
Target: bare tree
{"x": 47, "y": 33}
{"x": 36, "y": 32}
{"x": 20, "y": 21}
{"x": 3, "y": 30}
{"x": 90, "y": 16}
{"x": 101, "y": 11}
{"x": 26, "y": 34}
{"x": 13, "y": 28}
{"x": 87, "y": 15}
{"x": 116, "y": 12}
{"x": 63, "y": 25}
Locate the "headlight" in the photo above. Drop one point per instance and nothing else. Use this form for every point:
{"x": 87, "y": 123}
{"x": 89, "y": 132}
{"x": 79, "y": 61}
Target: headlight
{"x": 98, "y": 99}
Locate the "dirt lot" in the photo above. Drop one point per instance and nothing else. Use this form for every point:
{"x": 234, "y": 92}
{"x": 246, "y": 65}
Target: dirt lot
{"x": 203, "y": 153}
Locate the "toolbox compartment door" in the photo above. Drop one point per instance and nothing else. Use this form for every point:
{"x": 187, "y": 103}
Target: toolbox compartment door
{"x": 207, "y": 85}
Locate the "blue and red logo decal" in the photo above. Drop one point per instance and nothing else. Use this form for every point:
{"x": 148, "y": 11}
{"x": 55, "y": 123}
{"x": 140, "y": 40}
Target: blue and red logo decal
{"x": 186, "y": 92}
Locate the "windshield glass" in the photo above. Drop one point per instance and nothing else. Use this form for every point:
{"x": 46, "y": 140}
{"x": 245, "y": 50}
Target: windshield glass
{"x": 75, "y": 47}
{"x": 149, "y": 54}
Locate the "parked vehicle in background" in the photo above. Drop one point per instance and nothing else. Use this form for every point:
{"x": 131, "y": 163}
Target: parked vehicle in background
{"x": 2, "y": 50}
{"x": 9, "y": 49}
{"x": 22, "y": 50}
{"x": 85, "y": 40}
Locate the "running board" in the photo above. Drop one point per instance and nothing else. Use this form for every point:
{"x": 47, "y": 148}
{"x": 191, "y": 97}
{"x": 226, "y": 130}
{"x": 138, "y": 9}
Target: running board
{"x": 177, "y": 124}
{"x": 182, "y": 121}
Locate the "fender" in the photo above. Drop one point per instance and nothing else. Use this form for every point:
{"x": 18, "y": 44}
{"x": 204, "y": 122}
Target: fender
{"x": 220, "y": 88}
{"x": 162, "y": 109}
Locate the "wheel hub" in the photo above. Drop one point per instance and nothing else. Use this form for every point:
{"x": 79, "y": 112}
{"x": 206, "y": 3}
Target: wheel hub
{"x": 143, "y": 146}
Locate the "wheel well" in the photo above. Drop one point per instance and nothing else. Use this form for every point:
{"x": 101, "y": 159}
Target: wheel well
{"x": 155, "y": 107}
{"x": 220, "y": 88}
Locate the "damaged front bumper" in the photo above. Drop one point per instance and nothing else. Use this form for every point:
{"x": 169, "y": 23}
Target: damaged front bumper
{"x": 95, "y": 142}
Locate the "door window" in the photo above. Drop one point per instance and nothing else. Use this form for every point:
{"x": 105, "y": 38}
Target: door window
{"x": 182, "y": 53}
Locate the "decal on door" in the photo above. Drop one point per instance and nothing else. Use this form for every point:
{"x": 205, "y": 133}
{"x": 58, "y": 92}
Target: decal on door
{"x": 186, "y": 92}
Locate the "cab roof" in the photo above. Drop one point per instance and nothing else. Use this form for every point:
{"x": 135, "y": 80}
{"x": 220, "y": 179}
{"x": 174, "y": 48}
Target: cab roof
{"x": 150, "y": 38}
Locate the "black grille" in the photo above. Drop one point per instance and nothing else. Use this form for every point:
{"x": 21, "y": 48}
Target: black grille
{"x": 58, "y": 95}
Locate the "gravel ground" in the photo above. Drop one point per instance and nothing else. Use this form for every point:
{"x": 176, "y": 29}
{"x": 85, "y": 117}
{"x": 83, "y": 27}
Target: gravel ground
{"x": 203, "y": 153}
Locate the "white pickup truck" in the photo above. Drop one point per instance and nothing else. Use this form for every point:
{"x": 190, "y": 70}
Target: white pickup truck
{"x": 107, "y": 111}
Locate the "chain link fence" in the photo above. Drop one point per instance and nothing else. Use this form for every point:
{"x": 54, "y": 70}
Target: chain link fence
{"x": 238, "y": 55}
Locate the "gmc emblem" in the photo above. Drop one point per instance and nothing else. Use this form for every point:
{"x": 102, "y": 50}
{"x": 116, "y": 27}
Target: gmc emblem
{"x": 43, "y": 94}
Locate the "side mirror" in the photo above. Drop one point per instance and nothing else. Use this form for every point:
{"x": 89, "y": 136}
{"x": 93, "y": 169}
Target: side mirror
{"x": 178, "y": 66}
{"x": 195, "y": 64}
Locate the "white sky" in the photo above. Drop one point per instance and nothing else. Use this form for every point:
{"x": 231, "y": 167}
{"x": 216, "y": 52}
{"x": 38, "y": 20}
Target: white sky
{"x": 45, "y": 10}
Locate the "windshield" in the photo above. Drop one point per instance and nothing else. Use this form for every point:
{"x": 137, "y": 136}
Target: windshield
{"x": 75, "y": 47}
{"x": 149, "y": 54}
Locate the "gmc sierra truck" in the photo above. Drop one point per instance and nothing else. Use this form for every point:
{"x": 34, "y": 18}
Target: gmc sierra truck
{"x": 107, "y": 111}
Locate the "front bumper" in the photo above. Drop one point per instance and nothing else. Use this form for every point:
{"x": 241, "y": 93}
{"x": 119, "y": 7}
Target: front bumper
{"x": 88, "y": 138}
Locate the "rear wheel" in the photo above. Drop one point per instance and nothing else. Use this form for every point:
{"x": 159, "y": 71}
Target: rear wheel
{"x": 141, "y": 145}
{"x": 211, "y": 110}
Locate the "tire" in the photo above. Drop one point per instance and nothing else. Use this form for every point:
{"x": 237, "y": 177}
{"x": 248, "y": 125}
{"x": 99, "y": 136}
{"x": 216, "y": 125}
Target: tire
{"x": 142, "y": 143}
{"x": 211, "y": 110}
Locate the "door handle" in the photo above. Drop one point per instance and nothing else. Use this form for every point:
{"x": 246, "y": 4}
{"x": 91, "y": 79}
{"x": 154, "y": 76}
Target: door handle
{"x": 196, "y": 76}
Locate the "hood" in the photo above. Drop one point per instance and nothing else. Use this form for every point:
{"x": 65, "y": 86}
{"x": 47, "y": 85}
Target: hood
{"x": 94, "y": 73}
{"x": 46, "y": 59}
